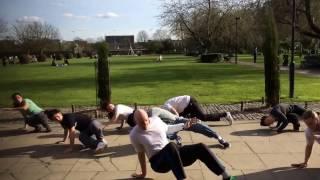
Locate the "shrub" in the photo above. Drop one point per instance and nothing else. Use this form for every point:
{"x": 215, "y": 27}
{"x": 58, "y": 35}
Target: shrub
{"x": 42, "y": 58}
{"x": 59, "y": 56}
{"x": 25, "y": 59}
{"x": 311, "y": 61}
{"x": 211, "y": 57}
{"x": 68, "y": 55}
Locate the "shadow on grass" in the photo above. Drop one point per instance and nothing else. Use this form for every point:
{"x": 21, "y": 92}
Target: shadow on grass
{"x": 284, "y": 173}
{"x": 56, "y": 151}
{"x": 259, "y": 132}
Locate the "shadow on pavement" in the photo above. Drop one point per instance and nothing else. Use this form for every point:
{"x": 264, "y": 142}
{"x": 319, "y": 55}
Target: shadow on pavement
{"x": 56, "y": 151}
{"x": 50, "y": 136}
{"x": 284, "y": 173}
{"x": 259, "y": 132}
{"x": 12, "y": 132}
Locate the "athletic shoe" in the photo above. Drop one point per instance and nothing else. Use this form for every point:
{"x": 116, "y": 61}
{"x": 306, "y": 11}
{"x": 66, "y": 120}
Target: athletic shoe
{"x": 225, "y": 144}
{"x": 231, "y": 178}
{"x": 100, "y": 147}
{"x": 178, "y": 141}
{"x": 229, "y": 118}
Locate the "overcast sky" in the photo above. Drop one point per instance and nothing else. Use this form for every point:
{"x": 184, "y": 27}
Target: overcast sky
{"x": 86, "y": 18}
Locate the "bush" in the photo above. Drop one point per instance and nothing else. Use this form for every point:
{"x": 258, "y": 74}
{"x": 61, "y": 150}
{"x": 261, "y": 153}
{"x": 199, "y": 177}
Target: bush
{"x": 78, "y": 55}
{"x": 68, "y": 55}
{"x": 59, "y": 56}
{"x": 211, "y": 58}
{"x": 42, "y": 58}
{"x": 25, "y": 59}
{"x": 311, "y": 61}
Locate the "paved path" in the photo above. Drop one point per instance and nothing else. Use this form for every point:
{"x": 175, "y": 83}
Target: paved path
{"x": 308, "y": 72}
{"x": 256, "y": 154}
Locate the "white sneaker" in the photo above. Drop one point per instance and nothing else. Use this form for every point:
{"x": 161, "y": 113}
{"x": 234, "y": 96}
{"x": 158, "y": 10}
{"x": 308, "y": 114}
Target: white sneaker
{"x": 100, "y": 147}
{"x": 229, "y": 118}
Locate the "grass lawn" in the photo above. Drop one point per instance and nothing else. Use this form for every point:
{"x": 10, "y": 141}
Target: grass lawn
{"x": 249, "y": 58}
{"x": 141, "y": 80}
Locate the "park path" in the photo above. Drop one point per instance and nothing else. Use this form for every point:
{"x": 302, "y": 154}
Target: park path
{"x": 257, "y": 153}
{"x": 308, "y": 72}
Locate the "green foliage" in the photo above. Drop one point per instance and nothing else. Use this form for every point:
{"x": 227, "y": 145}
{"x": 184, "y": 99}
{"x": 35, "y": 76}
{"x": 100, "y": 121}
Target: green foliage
{"x": 271, "y": 60}
{"x": 25, "y": 59}
{"x": 104, "y": 86}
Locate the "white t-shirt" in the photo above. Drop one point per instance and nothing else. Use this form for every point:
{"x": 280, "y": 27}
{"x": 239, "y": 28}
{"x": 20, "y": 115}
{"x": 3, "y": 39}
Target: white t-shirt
{"x": 310, "y": 136}
{"x": 154, "y": 138}
{"x": 122, "y": 112}
{"x": 179, "y": 103}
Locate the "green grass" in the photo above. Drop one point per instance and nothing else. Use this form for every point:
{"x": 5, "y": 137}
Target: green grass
{"x": 260, "y": 60}
{"x": 141, "y": 80}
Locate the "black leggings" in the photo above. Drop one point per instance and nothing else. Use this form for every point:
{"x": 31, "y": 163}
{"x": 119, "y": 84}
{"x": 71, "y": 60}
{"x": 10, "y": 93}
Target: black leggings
{"x": 174, "y": 158}
{"x": 194, "y": 110}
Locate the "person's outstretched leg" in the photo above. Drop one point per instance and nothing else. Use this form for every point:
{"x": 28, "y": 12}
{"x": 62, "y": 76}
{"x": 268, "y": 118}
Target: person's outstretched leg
{"x": 190, "y": 153}
{"x": 168, "y": 159}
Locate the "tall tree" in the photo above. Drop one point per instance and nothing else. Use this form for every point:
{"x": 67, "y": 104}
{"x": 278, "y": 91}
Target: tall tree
{"x": 271, "y": 60}
{"x": 142, "y": 36}
{"x": 103, "y": 73}
{"x": 35, "y": 36}
{"x": 160, "y": 35}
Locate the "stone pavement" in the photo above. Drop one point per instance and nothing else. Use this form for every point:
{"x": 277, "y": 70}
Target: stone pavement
{"x": 256, "y": 154}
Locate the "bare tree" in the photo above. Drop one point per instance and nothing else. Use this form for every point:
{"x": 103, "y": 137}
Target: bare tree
{"x": 160, "y": 35}
{"x": 3, "y": 26}
{"x": 142, "y": 36}
{"x": 201, "y": 20}
{"x": 35, "y": 36}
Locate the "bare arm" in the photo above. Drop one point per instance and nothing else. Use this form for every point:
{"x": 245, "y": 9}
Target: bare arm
{"x": 174, "y": 111}
{"x": 143, "y": 165}
{"x": 65, "y": 136}
{"x": 307, "y": 154}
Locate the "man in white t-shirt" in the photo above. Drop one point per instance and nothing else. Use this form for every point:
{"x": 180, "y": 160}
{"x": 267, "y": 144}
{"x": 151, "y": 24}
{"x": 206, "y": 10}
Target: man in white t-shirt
{"x": 118, "y": 113}
{"x": 149, "y": 137}
{"x": 188, "y": 106}
{"x": 312, "y": 134}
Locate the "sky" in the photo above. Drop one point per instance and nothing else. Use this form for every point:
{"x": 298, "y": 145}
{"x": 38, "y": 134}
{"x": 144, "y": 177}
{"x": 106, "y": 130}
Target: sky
{"x": 86, "y": 18}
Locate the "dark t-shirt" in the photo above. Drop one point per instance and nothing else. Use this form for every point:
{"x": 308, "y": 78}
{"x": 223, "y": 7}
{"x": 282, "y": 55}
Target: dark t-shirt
{"x": 81, "y": 121}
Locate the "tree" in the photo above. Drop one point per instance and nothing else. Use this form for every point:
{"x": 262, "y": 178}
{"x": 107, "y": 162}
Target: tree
{"x": 103, "y": 74}
{"x": 142, "y": 36}
{"x": 271, "y": 60}
{"x": 35, "y": 36}
{"x": 202, "y": 20}
{"x": 160, "y": 35}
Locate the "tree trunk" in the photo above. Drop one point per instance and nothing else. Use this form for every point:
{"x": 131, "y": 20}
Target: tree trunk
{"x": 271, "y": 60}
{"x": 104, "y": 86}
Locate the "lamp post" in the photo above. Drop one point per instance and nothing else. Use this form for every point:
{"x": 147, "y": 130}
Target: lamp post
{"x": 292, "y": 65}
{"x": 236, "y": 50}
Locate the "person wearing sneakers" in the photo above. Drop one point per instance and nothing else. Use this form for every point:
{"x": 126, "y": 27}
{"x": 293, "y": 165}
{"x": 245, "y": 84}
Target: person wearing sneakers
{"x": 149, "y": 137}
{"x": 117, "y": 113}
{"x": 312, "y": 133}
{"x": 34, "y": 116}
{"x": 188, "y": 106}
{"x": 283, "y": 114}
{"x": 169, "y": 118}
{"x": 83, "y": 123}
